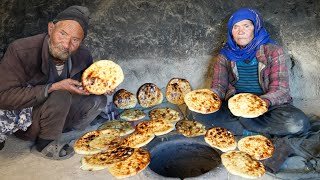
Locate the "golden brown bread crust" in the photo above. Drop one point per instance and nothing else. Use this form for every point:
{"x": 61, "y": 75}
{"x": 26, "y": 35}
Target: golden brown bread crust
{"x": 103, "y": 159}
{"x": 241, "y": 164}
{"x": 247, "y": 105}
{"x": 124, "y": 127}
{"x": 167, "y": 114}
{"x": 190, "y": 128}
{"x": 132, "y": 115}
{"x": 149, "y": 95}
{"x": 176, "y": 89}
{"x": 81, "y": 146}
{"x": 136, "y": 163}
{"x": 137, "y": 139}
{"x": 124, "y": 99}
{"x": 258, "y": 147}
{"x": 155, "y": 126}
{"x": 102, "y": 76}
{"x": 202, "y": 101}
{"x": 221, "y": 139}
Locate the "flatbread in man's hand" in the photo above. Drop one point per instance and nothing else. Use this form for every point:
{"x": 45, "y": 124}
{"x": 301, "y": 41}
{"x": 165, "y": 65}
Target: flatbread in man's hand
{"x": 258, "y": 147}
{"x": 149, "y": 95}
{"x": 202, "y": 101}
{"x": 124, "y": 99}
{"x": 221, "y": 139}
{"x": 176, "y": 89}
{"x": 136, "y": 163}
{"x": 241, "y": 164}
{"x": 247, "y": 105}
{"x": 190, "y": 128}
{"x": 101, "y": 77}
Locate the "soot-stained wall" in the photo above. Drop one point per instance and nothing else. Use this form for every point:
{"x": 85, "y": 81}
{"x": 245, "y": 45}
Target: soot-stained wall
{"x": 155, "y": 40}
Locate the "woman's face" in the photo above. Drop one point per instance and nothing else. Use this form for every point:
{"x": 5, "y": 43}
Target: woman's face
{"x": 243, "y": 32}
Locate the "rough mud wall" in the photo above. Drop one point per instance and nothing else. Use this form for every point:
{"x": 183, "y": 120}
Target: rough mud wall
{"x": 155, "y": 40}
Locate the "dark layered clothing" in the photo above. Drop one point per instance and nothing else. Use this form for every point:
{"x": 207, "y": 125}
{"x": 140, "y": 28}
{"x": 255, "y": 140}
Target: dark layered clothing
{"x": 25, "y": 72}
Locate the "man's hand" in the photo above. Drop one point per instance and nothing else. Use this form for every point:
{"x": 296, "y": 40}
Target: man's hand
{"x": 71, "y": 85}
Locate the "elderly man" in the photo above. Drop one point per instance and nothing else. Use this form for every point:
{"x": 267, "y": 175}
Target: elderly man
{"x": 40, "y": 93}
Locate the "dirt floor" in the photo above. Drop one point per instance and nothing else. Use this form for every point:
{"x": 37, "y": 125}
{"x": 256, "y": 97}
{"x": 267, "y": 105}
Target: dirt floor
{"x": 18, "y": 163}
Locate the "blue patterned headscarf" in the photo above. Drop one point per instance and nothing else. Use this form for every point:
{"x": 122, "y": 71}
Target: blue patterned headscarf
{"x": 231, "y": 50}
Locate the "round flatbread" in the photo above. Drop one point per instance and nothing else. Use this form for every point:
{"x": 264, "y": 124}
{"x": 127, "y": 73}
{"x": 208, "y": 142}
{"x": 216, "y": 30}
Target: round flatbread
{"x": 258, "y": 147}
{"x": 124, "y": 127}
{"x": 176, "y": 89}
{"x": 156, "y": 126}
{"x": 221, "y": 139}
{"x": 81, "y": 146}
{"x": 241, "y": 164}
{"x": 110, "y": 139}
{"x": 137, "y": 139}
{"x": 149, "y": 95}
{"x": 132, "y": 114}
{"x": 124, "y": 99}
{"x": 103, "y": 159}
{"x": 167, "y": 114}
{"x": 136, "y": 163}
{"x": 190, "y": 128}
{"x": 102, "y": 76}
{"x": 247, "y": 105}
{"x": 202, "y": 101}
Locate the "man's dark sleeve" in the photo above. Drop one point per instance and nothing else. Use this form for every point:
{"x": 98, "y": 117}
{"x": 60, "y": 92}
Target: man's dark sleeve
{"x": 14, "y": 91}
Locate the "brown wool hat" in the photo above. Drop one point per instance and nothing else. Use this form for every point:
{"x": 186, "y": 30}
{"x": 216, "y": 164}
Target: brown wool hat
{"x": 77, "y": 13}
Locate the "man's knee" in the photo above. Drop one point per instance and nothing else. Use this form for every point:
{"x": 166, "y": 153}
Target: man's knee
{"x": 59, "y": 100}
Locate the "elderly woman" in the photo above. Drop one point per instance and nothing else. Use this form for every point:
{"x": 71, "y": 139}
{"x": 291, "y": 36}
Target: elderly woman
{"x": 252, "y": 63}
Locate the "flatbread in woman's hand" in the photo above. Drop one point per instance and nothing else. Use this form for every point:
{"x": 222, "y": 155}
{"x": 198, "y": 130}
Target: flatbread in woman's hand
{"x": 101, "y": 77}
{"x": 247, "y": 105}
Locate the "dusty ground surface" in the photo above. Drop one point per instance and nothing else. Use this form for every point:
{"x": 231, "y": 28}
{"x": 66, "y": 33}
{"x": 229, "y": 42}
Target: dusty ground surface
{"x": 18, "y": 163}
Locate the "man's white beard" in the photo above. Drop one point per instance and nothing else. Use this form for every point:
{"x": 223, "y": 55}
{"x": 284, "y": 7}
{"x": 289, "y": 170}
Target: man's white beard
{"x": 63, "y": 56}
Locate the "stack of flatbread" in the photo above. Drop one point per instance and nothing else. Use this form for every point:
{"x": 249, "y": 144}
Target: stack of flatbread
{"x": 116, "y": 147}
{"x": 245, "y": 162}
{"x": 101, "y": 77}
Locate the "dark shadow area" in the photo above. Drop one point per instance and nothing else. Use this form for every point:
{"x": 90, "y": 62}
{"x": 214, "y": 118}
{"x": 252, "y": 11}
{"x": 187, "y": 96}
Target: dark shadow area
{"x": 181, "y": 159}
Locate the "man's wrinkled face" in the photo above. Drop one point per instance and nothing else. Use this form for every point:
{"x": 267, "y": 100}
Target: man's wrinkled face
{"x": 65, "y": 38}
{"x": 243, "y": 32}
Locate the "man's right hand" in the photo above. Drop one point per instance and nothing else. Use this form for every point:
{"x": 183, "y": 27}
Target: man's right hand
{"x": 71, "y": 85}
